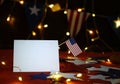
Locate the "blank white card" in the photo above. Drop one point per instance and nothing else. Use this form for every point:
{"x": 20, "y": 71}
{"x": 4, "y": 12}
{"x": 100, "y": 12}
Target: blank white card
{"x": 35, "y": 56}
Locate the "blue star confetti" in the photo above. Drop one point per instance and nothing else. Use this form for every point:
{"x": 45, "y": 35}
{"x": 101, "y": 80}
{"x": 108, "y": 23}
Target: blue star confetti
{"x": 42, "y": 76}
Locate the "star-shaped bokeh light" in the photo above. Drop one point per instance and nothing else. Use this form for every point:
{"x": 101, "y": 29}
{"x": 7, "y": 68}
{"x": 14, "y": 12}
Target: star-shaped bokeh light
{"x": 117, "y": 22}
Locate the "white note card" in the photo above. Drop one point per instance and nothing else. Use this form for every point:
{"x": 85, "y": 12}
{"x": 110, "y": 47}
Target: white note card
{"x": 35, "y": 56}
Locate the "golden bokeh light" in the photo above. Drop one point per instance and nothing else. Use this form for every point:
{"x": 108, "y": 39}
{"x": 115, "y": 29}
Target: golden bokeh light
{"x": 3, "y": 62}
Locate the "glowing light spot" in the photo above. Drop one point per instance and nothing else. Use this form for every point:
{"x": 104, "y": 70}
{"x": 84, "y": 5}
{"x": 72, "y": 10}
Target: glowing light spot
{"x": 3, "y": 63}
{"x": 68, "y": 52}
{"x": 79, "y": 9}
{"x": 108, "y": 61}
{"x": 68, "y": 33}
{"x": 65, "y": 12}
{"x": 8, "y": 18}
{"x": 93, "y": 15}
{"x": 56, "y": 76}
{"x": 20, "y": 78}
{"x": 93, "y": 39}
{"x": 33, "y": 33}
{"x": 51, "y": 5}
{"x": 85, "y": 48}
{"x": 90, "y": 31}
{"x": 117, "y": 22}
{"x": 46, "y": 25}
{"x": 39, "y": 26}
{"x": 79, "y": 75}
{"x": 21, "y": 2}
{"x": 68, "y": 80}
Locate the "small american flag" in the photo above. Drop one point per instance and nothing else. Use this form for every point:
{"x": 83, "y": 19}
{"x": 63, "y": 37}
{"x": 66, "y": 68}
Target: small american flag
{"x": 73, "y": 46}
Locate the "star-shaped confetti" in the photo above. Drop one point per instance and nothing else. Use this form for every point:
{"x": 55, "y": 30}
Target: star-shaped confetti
{"x": 102, "y": 77}
{"x": 64, "y": 75}
{"x": 42, "y": 76}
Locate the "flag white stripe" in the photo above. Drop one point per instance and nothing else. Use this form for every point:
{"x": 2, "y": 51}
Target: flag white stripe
{"x": 79, "y": 22}
{"x": 73, "y": 23}
{"x": 68, "y": 15}
{"x": 73, "y": 18}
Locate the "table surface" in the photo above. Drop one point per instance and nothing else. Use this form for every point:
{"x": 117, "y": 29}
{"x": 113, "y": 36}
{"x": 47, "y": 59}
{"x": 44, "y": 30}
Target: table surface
{"x": 9, "y": 77}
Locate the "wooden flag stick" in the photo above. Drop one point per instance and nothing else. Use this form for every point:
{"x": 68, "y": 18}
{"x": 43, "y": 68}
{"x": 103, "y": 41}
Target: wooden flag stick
{"x": 62, "y": 43}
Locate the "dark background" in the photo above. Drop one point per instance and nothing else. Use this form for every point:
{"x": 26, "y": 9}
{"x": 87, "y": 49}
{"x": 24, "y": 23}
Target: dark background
{"x": 57, "y": 24}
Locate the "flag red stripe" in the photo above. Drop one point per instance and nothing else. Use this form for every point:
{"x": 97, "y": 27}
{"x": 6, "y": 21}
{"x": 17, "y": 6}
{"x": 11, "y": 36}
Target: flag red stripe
{"x": 76, "y": 19}
{"x": 76, "y": 24}
{"x": 70, "y": 18}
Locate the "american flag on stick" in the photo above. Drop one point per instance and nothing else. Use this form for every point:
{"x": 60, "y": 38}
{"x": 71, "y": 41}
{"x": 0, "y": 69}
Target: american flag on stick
{"x": 73, "y": 46}
{"x": 75, "y": 21}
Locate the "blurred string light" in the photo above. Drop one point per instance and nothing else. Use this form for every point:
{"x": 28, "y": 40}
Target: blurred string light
{"x": 93, "y": 34}
{"x": 93, "y": 15}
{"x": 79, "y": 75}
{"x": 40, "y": 26}
{"x": 117, "y": 22}
{"x": 57, "y": 7}
{"x": 90, "y": 32}
{"x": 65, "y": 12}
{"x": 21, "y": 2}
{"x": 80, "y": 9}
{"x": 45, "y": 25}
{"x": 67, "y": 33}
{"x": 68, "y": 52}
{"x": 56, "y": 76}
{"x": 50, "y": 5}
{"x": 11, "y": 20}
{"x": 108, "y": 61}
{"x": 34, "y": 33}
{"x": 54, "y": 7}
{"x": 86, "y": 48}
{"x": 20, "y": 78}
{"x": 8, "y": 18}
{"x": 68, "y": 80}
{"x": 3, "y": 62}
